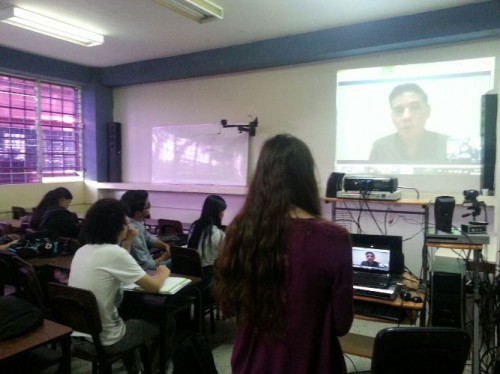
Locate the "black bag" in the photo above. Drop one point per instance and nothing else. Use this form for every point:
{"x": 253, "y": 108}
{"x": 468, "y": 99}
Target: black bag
{"x": 37, "y": 247}
{"x": 193, "y": 355}
{"x": 17, "y": 317}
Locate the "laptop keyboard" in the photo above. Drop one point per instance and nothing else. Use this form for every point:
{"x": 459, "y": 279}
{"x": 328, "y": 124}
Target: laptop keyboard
{"x": 378, "y": 310}
{"x": 371, "y": 280}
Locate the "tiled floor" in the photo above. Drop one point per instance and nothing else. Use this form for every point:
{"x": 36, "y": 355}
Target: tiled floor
{"x": 223, "y": 338}
{"x": 222, "y": 343}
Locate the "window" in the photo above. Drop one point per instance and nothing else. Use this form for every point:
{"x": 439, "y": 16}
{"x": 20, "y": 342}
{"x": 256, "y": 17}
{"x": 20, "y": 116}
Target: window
{"x": 40, "y": 131}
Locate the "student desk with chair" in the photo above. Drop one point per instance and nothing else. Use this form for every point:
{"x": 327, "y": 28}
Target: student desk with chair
{"x": 164, "y": 301}
{"x": 171, "y": 303}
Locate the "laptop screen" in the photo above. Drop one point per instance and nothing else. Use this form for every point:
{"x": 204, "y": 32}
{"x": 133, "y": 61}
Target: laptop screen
{"x": 387, "y": 249}
{"x": 371, "y": 259}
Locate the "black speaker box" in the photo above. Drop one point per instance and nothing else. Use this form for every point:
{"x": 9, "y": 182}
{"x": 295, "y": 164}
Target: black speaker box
{"x": 114, "y": 135}
{"x": 489, "y": 105}
{"x": 334, "y": 184}
{"x": 447, "y": 307}
{"x": 443, "y": 212}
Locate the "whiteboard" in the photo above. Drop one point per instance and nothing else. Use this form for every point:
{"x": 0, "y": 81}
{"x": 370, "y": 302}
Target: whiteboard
{"x": 199, "y": 154}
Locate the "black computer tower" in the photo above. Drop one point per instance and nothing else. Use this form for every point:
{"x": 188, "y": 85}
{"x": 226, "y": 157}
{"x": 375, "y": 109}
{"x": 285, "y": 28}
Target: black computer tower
{"x": 447, "y": 300}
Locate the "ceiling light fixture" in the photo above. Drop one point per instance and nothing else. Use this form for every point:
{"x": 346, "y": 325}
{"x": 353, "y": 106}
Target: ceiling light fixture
{"x": 49, "y": 26}
{"x": 199, "y": 10}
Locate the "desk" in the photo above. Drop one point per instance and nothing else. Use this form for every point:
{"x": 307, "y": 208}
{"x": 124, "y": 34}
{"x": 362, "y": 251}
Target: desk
{"x": 476, "y": 249}
{"x": 62, "y": 262}
{"x": 47, "y": 333}
{"x": 395, "y": 207}
{"x": 162, "y": 304}
{"x": 362, "y": 345}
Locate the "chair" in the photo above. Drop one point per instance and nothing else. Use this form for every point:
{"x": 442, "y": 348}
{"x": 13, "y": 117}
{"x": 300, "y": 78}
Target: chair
{"x": 68, "y": 246}
{"x": 170, "y": 231}
{"x": 77, "y": 308}
{"x": 187, "y": 261}
{"x": 18, "y": 212}
{"x": 418, "y": 350}
{"x": 21, "y": 276}
{"x": 169, "y": 227}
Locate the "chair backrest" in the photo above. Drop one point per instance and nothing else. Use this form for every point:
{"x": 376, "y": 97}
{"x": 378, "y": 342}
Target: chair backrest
{"x": 186, "y": 261}
{"x": 169, "y": 227}
{"x": 20, "y": 274}
{"x": 76, "y": 308}
{"x": 68, "y": 245}
{"x": 6, "y": 228}
{"x": 429, "y": 350}
{"x": 18, "y": 212}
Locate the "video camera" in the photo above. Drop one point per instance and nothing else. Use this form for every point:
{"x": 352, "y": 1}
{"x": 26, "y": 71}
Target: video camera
{"x": 470, "y": 196}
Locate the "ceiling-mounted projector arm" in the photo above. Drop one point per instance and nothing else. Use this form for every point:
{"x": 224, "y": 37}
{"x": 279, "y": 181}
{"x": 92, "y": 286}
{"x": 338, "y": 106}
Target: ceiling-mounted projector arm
{"x": 250, "y": 128}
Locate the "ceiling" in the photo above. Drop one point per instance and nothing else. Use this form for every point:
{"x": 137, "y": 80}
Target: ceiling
{"x": 137, "y": 30}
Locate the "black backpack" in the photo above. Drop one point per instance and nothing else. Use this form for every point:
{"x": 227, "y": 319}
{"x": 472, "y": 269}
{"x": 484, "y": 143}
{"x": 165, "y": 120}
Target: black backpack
{"x": 17, "y": 317}
{"x": 193, "y": 355}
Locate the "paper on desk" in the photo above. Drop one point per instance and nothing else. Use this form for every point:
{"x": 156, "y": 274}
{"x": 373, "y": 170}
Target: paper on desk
{"x": 170, "y": 286}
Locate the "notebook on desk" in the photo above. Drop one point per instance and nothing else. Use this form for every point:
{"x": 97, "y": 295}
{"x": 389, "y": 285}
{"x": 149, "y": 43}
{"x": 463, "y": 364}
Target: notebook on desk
{"x": 377, "y": 265}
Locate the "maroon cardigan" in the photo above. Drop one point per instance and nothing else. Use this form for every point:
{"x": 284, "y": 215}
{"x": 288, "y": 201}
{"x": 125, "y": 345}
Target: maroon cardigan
{"x": 320, "y": 307}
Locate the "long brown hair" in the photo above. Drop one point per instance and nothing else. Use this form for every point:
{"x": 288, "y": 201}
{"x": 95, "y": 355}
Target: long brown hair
{"x": 251, "y": 272}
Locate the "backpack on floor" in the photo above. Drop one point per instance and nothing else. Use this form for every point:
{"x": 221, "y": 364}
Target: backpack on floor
{"x": 193, "y": 355}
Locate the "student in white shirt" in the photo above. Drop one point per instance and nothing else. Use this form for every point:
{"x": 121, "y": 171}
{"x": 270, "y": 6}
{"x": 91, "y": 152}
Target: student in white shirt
{"x": 103, "y": 266}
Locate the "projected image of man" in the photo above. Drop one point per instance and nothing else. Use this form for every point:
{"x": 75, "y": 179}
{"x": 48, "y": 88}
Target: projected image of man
{"x": 370, "y": 260}
{"x": 411, "y": 142}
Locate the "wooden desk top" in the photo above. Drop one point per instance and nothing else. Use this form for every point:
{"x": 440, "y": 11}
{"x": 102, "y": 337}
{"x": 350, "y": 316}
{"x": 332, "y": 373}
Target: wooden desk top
{"x": 15, "y": 223}
{"x": 460, "y": 246}
{"x": 397, "y": 202}
{"x": 48, "y": 332}
{"x": 397, "y": 302}
{"x": 410, "y": 284}
{"x": 63, "y": 262}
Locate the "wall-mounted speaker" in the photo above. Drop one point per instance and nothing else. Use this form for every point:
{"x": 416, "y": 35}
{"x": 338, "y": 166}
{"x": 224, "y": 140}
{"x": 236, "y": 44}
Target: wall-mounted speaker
{"x": 114, "y": 134}
{"x": 447, "y": 307}
{"x": 489, "y": 105}
{"x": 443, "y": 212}
{"x": 334, "y": 184}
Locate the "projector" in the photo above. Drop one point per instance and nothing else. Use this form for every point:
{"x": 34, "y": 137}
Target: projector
{"x": 367, "y": 183}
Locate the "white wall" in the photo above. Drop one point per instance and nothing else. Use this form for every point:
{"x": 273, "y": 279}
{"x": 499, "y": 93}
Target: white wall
{"x": 29, "y": 195}
{"x": 299, "y": 100}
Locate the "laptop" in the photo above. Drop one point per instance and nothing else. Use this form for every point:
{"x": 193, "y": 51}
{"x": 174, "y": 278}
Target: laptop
{"x": 377, "y": 265}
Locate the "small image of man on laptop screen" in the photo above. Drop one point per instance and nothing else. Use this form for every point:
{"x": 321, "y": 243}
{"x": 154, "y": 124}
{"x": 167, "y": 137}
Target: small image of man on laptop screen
{"x": 370, "y": 260}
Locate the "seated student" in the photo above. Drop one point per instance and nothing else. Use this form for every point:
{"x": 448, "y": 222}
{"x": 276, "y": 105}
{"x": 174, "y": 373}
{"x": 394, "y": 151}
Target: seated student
{"x": 138, "y": 207}
{"x": 52, "y": 214}
{"x": 370, "y": 260}
{"x": 103, "y": 266}
{"x": 206, "y": 234}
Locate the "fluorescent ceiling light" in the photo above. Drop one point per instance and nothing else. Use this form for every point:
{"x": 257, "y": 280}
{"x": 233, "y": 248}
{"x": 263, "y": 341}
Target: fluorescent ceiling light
{"x": 49, "y": 26}
{"x": 198, "y": 10}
